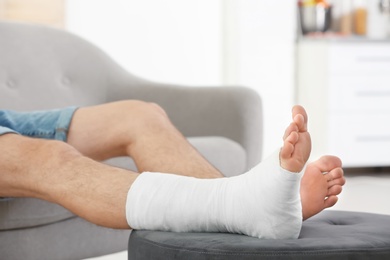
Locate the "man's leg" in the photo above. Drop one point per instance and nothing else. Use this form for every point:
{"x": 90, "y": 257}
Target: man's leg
{"x": 100, "y": 133}
{"x": 92, "y": 190}
{"x": 56, "y": 172}
{"x": 263, "y": 202}
{"x": 144, "y": 132}
{"x": 140, "y": 130}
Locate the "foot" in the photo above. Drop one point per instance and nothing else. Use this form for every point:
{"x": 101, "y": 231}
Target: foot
{"x": 297, "y": 143}
{"x": 263, "y": 202}
{"x": 320, "y": 185}
{"x": 323, "y": 179}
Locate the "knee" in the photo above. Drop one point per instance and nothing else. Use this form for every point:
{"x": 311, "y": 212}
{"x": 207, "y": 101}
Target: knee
{"x": 47, "y": 154}
{"x": 155, "y": 109}
{"x": 144, "y": 111}
{"x": 57, "y": 151}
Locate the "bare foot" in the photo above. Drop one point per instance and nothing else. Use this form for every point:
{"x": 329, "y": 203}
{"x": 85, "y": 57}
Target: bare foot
{"x": 323, "y": 179}
{"x": 320, "y": 185}
{"x": 297, "y": 143}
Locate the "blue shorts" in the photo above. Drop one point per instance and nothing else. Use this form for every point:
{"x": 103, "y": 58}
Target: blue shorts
{"x": 49, "y": 124}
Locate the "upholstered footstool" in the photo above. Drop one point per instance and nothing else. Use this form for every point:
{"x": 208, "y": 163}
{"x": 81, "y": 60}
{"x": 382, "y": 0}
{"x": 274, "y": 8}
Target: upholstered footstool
{"x": 328, "y": 235}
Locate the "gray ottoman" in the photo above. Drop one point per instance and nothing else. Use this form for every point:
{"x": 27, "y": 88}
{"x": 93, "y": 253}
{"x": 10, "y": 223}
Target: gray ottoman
{"x": 328, "y": 235}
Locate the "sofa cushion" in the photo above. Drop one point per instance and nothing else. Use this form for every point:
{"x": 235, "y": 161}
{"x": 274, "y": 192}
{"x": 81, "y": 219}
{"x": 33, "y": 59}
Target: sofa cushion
{"x": 226, "y": 155}
{"x": 223, "y": 153}
{"x": 28, "y": 212}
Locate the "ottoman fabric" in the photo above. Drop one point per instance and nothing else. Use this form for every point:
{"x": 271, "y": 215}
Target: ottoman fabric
{"x": 328, "y": 235}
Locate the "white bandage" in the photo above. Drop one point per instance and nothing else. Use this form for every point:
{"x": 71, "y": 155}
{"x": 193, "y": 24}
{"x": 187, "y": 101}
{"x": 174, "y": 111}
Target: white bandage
{"x": 263, "y": 203}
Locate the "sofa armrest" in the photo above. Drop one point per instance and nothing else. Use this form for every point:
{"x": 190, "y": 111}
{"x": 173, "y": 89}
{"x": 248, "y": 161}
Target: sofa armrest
{"x": 231, "y": 112}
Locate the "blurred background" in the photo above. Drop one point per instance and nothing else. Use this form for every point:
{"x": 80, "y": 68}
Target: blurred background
{"x": 255, "y": 43}
{"x": 194, "y": 42}
{"x": 276, "y": 49}
{"x": 331, "y": 56}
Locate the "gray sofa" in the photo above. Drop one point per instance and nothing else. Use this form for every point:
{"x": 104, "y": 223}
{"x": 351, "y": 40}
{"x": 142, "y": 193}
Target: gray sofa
{"x": 42, "y": 68}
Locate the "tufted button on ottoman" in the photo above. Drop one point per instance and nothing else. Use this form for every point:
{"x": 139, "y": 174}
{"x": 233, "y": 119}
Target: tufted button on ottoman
{"x": 328, "y": 235}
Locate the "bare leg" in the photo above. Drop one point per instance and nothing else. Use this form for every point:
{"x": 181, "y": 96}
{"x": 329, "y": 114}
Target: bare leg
{"x": 144, "y": 132}
{"x": 92, "y": 190}
{"x": 140, "y": 130}
{"x": 56, "y": 172}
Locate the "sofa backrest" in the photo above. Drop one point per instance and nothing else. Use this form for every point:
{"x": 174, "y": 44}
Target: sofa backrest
{"x": 43, "y": 68}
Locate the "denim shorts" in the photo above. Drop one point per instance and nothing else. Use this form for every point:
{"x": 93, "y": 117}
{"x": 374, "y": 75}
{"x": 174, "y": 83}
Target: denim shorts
{"x": 48, "y": 124}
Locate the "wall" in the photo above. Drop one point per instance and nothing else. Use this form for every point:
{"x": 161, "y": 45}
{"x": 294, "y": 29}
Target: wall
{"x": 265, "y": 40}
{"x": 201, "y": 42}
{"x": 49, "y": 12}
{"x": 172, "y": 41}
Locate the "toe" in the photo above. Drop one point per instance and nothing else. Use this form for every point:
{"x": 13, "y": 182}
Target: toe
{"x": 289, "y": 145}
{"x": 291, "y": 128}
{"x": 335, "y": 177}
{"x": 334, "y": 190}
{"x": 328, "y": 163}
{"x": 330, "y": 201}
{"x": 286, "y": 151}
{"x": 299, "y": 110}
{"x": 292, "y": 138}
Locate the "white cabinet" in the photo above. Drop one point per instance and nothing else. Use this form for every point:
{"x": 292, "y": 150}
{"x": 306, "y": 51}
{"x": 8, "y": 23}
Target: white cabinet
{"x": 345, "y": 87}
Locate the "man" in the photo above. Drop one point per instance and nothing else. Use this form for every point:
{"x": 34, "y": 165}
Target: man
{"x": 178, "y": 189}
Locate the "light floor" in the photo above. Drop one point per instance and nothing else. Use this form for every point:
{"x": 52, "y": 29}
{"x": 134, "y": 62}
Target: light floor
{"x": 367, "y": 190}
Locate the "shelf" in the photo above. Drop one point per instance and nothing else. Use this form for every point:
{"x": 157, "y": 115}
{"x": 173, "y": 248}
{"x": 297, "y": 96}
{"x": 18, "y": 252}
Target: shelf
{"x": 344, "y": 85}
{"x": 342, "y": 39}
